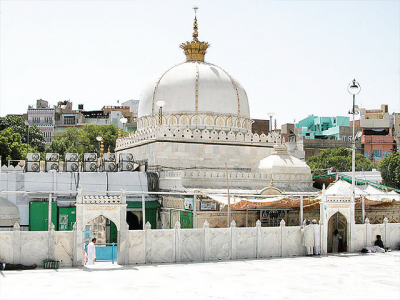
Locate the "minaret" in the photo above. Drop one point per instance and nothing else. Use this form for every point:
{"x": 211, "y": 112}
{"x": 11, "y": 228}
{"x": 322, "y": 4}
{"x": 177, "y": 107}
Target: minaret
{"x": 195, "y": 50}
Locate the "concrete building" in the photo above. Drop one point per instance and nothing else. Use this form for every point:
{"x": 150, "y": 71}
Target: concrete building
{"x": 314, "y": 134}
{"x": 326, "y": 128}
{"x": 396, "y": 129}
{"x": 43, "y": 117}
{"x": 66, "y": 117}
{"x": 377, "y": 138}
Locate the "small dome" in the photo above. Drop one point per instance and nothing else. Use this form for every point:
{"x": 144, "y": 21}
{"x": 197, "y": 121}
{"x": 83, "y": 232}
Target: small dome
{"x": 280, "y": 162}
{"x": 9, "y": 213}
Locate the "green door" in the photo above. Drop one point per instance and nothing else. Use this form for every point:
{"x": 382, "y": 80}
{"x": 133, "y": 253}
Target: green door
{"x": 151, "y": 216}
{"x": 186, "y": 219}
{"x": 66, "y": 218}
{"x": 113, "y": 232}
{"x": 39, "y": 214}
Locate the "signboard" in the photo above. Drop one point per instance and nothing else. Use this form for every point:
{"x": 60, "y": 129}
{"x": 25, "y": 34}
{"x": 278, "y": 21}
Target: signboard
{"x": 189, "y": 203}
{"x": 208, "y": 205}
{"x": 63, "y": 222}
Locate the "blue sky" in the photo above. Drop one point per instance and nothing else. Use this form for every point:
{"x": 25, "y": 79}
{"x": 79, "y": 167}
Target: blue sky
{"x": 294, "y": 58}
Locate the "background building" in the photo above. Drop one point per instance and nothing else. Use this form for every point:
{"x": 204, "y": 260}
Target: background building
{"x": 43, "y": 117}
{"x": 377, "y": 139}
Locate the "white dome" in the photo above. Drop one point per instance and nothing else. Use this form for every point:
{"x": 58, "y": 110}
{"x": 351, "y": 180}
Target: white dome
{"x": 281, "y": 164}
{"x": 195, "y": 88}
{"x": 9, "y": 213}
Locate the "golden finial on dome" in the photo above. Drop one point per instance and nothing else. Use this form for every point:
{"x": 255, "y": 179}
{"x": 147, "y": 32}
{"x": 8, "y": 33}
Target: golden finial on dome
{"x": 195, "y": 50}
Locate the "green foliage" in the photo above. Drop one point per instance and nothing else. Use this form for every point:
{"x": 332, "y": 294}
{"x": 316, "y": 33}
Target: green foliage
{"x": 31, "y": 135}
{"x": 390, "y": 170}
{"x": 83, "y": 140}
{"x": 339, "y": 159}
{"x": 11, "y": 146}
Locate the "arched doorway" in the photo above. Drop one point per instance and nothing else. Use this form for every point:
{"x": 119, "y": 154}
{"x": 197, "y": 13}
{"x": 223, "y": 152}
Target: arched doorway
{"x": 133, "y": 221}
{"x": 110, "y": 212}
{"x": 106, "y": 234}
{"x": 339, "y": 222}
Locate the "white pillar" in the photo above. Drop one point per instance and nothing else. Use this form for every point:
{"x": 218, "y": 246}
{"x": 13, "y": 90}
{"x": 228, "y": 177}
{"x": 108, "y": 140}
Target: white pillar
{"x": 148, "y": 245}
{"x": 283, "y": 238}
{"x": 178, "y": 244}
{"x": 259, "y": 239}
{"x": 206, "y": 229}
{"x": 233, "y": 240}
{"x": 17, "y": 244}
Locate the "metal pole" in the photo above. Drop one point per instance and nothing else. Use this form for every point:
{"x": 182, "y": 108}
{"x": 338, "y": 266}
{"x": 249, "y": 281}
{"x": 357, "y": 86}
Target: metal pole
{"x": 194, "y": 210}
{"x": 363, "y": 209}
{"x": 301, "y": 210}
{"x": 229, "y": 199}
{"x": 49, "y": 217}
{"x": 144, "y": 212}
{"x": 353, "y": 158}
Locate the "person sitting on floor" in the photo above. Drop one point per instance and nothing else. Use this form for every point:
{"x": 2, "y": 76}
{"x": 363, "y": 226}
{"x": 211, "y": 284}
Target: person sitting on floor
{"x": 379, "y": 242}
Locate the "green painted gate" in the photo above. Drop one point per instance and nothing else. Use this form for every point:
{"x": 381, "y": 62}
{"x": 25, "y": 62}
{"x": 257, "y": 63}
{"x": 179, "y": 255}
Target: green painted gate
{"x": 66, "y": 218}
{"x": 39, "y": 214}
{"x": 186, "y": 218}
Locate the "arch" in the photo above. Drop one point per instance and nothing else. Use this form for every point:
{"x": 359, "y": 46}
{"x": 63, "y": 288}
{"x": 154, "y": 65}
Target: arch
{"x": 184, "y": 120}
{"x": 338, "y": 221}
{"x": 220, "y": 121}
{"x": 196, "y": 120}
{"x": 103, "y": 229}
{"x": 209, "y": 120}
{"x": 172, "y": 120}
{"x": 229, "y": 122}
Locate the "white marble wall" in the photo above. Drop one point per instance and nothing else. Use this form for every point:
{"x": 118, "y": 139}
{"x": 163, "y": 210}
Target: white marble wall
{"x": 182, "y": 245}
{"x": 32, "y": 247}
{"x": 366, "y": 233}
{"x": 208, "y": 244}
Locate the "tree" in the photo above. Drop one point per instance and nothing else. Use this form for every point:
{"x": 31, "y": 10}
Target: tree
{"x": 11, "y": 146}
{"x": 83, "y": 140}
{"x": 31, "y": 135}
{"x": 390, "y": 170}
{"x": 339, "y": 159}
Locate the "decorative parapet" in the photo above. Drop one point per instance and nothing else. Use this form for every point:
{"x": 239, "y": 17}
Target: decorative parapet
{"x": 161, "y": 132}
{"x": 196, "y": 120}
{"x": 239, "y": 175}
{"x": 338, "y": 199}
{"x": 101, "y": 200}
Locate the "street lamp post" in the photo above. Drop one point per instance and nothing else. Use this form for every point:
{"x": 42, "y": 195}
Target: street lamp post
{"x": 354, "y": 88}
{"x": 123, "y": 120}
{"x": 270, "y": 115}
{"x": 100, "y": 140}
{"x": 160, "y": 104}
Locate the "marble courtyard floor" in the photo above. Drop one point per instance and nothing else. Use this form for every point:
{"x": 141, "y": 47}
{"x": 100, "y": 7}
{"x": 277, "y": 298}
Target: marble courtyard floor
{"x": 342, "y": 276}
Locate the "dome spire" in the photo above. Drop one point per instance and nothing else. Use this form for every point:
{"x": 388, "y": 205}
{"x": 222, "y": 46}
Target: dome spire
{"x": 195, "y": 50}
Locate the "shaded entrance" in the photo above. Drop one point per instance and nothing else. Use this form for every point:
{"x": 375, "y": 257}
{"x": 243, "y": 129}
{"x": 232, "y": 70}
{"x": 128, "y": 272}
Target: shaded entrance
{"x": 339, "y": 222}
{"x": 105, "y": 232}
{"x": 134, "y": 215}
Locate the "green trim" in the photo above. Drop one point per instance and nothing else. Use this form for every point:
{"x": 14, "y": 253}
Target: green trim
{"x": 359, "y": 181}
{"x": 138, "y": 204}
